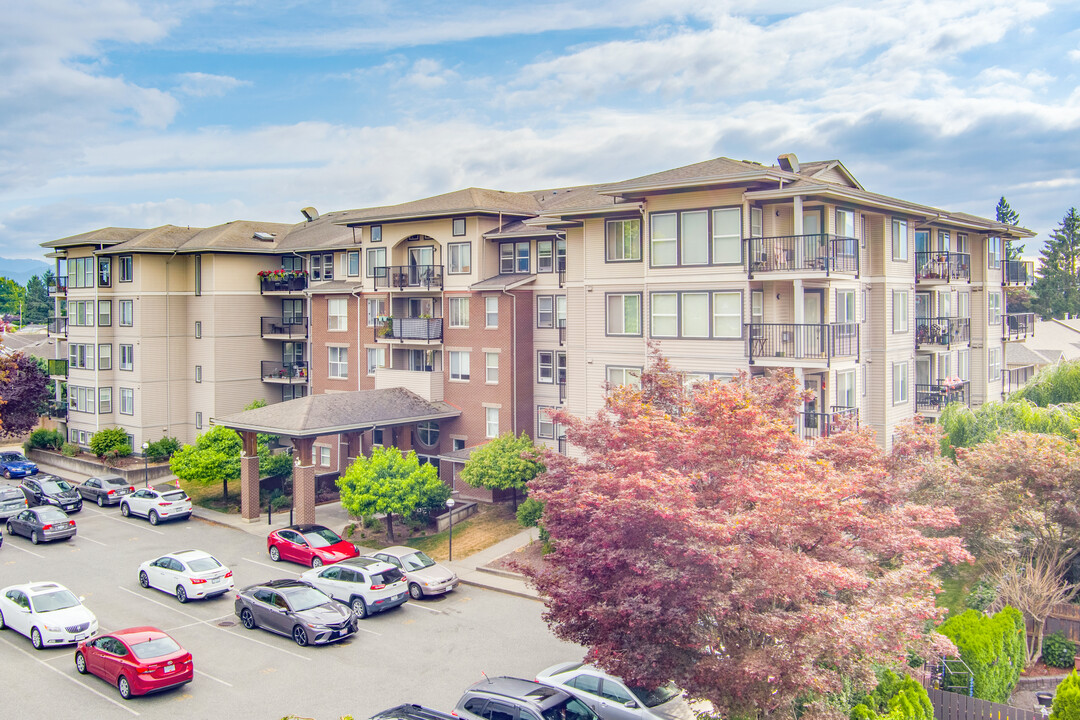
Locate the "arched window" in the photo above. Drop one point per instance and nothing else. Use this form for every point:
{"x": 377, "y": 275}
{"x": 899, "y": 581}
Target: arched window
{"x": 427, "y": 433}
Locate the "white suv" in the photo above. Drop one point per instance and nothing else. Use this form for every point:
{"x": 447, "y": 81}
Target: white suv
{"x": 365, "y": 584}
{"x": 163, "y": 502}
{"x": 187, "y": 574}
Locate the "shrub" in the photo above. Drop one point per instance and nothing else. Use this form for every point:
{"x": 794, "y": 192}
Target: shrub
{"x": 69, "y": 449}
{"x": 1067, "y": 699}
{"x": 45, "y": 439}
{"x": 895, "y": 698}
{"x": 162, "y": 449}
{"x": 1058, "y": 651}
{"x": 982, "y": 595}
{"x": 529, "y": 512}
{"x": 993, "y": 647}
{"x": 111, "y": 456}
{"x": 108, "y": 439}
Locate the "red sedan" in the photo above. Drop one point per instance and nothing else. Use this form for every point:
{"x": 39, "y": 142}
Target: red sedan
{"x": 312, "y": 545}
{"x": 137, "y": 661}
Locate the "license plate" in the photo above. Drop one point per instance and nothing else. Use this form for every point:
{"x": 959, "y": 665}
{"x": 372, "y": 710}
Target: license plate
{"x": 170, "y": 668}
{"x": 449, "y": 587}
{"x": 399, "y": 596}
{"x": 217, "y": 580}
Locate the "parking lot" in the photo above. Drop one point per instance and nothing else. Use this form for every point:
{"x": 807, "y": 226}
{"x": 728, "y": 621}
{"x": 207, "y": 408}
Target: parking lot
{"x": 425, "y": 652}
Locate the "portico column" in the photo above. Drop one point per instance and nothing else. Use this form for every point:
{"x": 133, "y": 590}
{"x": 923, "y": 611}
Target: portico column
{"x": 303, "y": 481}
{"x": 249, "y": 477}
{"x": 404, "y": 438}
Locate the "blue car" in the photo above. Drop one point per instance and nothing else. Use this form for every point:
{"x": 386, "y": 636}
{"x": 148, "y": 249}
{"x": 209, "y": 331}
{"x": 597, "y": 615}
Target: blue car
{"x": 15, "y": 465}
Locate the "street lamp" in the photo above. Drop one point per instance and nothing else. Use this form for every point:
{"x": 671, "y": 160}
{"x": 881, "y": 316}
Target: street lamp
{"x": 450, "y": 508}
{"x": 146, "y": 464}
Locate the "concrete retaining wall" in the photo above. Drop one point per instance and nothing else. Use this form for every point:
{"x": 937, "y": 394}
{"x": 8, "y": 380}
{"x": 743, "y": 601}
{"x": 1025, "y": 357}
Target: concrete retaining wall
{"x": 462, "y": 510}
{"x": 81, "y": 467}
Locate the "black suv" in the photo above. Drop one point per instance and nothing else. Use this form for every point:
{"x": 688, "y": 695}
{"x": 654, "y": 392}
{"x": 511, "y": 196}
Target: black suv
{"x": 506, "y": 698}
{"x": 51, "y": 490}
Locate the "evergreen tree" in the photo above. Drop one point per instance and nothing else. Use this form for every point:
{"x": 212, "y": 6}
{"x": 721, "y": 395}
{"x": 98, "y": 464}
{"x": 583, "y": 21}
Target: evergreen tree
{"x": 38, "y": 304}
{"x": 1057, "y": 288}
{"x": 1008, "y": 216}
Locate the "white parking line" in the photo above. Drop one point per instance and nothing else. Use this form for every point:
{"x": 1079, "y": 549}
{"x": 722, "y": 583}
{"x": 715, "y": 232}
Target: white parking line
{"x": 129, "y": 523}
{"x": 208, "y": 675}
{"x": 201, "y": 622}
{"x": 170, "y": 607}
{"x": 26, "y": 551}
{"x": 266, "y": 565}
{"x": 259, "y": 642}
{"x": 64, "y": 675}
{"x": 369, "y": 632}
{"x": 422, "y": 607}
{"x": 98, "y": 542}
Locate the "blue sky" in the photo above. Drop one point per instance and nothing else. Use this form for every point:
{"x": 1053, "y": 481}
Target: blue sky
{"x": 197, "y": 112}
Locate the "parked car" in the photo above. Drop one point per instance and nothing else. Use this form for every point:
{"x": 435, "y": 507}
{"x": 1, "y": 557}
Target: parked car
{"x": 41, "y": 524}
{"x": 51, "y": 490}
{"x": 613, "y": 699}
{"x": 162, "y": 502}
{"x": 188, "y": 574}
{"x": 294, "y": 609}
{"x": 411, "y": 712}
{"x": 365, "y": 584}
{"x": 137, "y": 661}
{"x": 499, "y": 697}
{"x": 424, "y": 575}
{"x": 12, "y": 501}
{"x": 313, "y": 545}
{"x": 105, "y": 489}
{"x": 13, "y": 464}
{"x": 47, "y": 613}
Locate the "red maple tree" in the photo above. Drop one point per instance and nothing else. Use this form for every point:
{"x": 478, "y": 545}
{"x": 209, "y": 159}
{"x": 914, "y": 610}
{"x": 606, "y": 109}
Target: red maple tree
{"x": 700, "y": 540}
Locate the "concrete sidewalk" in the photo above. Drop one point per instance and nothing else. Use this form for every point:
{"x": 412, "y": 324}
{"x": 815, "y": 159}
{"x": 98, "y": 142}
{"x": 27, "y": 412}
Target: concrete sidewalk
{"x": 471, "y": 570}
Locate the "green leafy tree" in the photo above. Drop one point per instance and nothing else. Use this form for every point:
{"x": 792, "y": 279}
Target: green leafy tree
{"x": 38, "y": 305}
{"x": 214, "y": 456}
{"x": 391, "y": 483}
{"x": 505, "y": 463}
{"x": 12, "y": 296}
{"x": 271, "y": 464}
{"x": 1057, "y": 289}
{"x": 1067, "y": 699}
{"x": 993, "y": 647}
{"x": 1008, "y": 216}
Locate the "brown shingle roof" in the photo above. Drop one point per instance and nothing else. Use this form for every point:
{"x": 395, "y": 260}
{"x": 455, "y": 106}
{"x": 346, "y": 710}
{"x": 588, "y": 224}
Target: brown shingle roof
{"x": 103, "y": 236}
{"x": 717, "y": 169}
{"x": 469, "y": 200}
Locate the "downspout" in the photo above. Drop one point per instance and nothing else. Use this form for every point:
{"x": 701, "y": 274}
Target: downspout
{"x": 513, "y": 360}
{"x": 644, "y": 284}
{"x": 97, "y": 330}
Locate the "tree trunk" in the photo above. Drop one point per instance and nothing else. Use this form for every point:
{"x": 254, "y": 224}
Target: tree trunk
{"x": 515, "y": 499}
{"x": 225, "y": 492}
{"x": 390, "y": 525}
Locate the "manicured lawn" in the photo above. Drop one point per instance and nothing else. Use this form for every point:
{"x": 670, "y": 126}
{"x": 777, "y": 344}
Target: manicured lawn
{"x": 491, "y": 524}
{"x": 956, "y": 583}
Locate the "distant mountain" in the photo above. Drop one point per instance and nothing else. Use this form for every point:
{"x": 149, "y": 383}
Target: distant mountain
{"x": 22, "y": 270}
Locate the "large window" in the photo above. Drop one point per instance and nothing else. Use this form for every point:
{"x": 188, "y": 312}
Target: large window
{"x": 899, "y": 382}
{"x": 491, "y": 367}
{"x": 727, "y": 314}
{"x": 105, "y": 400}
{"x": 695, "y": 315}
{"x": 514, "y": 257}
{"x": 127, "y": 357}
{"x": 459, "y": 364}
{"x": 337, "y": 314}
{"x": 491, "y": 312}
{"x": 993, "y": 363}
{"x": 376, "y": 358}
{"x": 127, "y": 401}
{"x": 624, "y": 314}
{"x": 845, "y": 223}
{"x": 899, "y": 239}
{"x": 963, "y": 364}
{"x": 81, "y": 272}
{"x": 104, "y": 310}
{"x": 376, "y": 262}
{"x": 689, "y": 315}
{"x": 663, "y": 239}
{"x": 81, "y": 399}
{"x": 845, "y": 388}
{"x": 900, "y": 311}
{"x": 127, "y": 268}
{"x": 322, "y": 266}
{"x": 845, "y": 311}
{"x": 459, "y": 312}
{"x": 339, "y": 362}
{"x": 376, "y": 308}
{"x": 619, "y": 375}
{"x": 545, "y": 256}
{"x": 664, "y": 309}
{"x": 727, "y": 236}
{"x": 80, "y": 356}
{"x": 993, "y": 300}
{"x": 696, "y": 237}
{"x": 545, "y": 311}
{"x": 623, "y": 240}
{"x": 460, "y": 257}
{"x": 491, "y": 417}
{"x": 127, "y": 312}
{"x": 81, "y": 313}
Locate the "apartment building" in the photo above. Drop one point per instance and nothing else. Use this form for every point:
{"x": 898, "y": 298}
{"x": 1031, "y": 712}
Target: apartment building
{"x": 506, "y": 305}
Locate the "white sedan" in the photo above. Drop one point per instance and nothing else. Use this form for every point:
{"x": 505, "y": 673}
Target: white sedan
{"x": 188, "y": 574}
{"x": 163, "y": 502}
{"x": 47, "y": 613}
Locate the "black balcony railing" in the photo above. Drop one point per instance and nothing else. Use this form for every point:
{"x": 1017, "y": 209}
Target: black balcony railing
{"x": 405, "y": 329}
{"x": 935, "y": 396}
{"x": 286, "y": 281}
{"x": 1017, "y": 272}
{"x": 942, "y": 331}
{"x": 57, "y": 409}
{"x": 58, "y": 325}
{"x": 561, "y": 382}
{"x": 942, "y": 265}
{"x": 291, "y": 327}
{"x": 562, "y": 332}
{"x": 292, "y": 372}
{"x": 802, "y": 342}
{"x": 58, "y": 285}
{"x": 823, "y": 424}
{"x": 1015, "y": 378}
{"x": 403, "y": 277}
{"x": 58, "y": 368}
{"x": 562, "y": 444}
{"x": 1017, "y": 326}
{"x": 801, "y": 253}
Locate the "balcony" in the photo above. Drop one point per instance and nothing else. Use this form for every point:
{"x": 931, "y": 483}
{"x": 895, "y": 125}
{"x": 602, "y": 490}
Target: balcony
{"x": 284, "y": 373}
{"x": 803, "y": 253}
{"x": 813, "y": 425}
{"x": 942, "y": 266}
{"x": 428, "y": 385}
{"x": 934, "y": 397}
{"x": 942, "y": 332}
{"x": 58, "y": 368}
{"x": 822, "y": 342}
{"x": 1017, "y": 272}
{"x": 1017, "y": 326}
{"x": 561, "y": 441}
{"x": 58, "y": 325}
{"x": 409, "y": 277}
{"x": 58, "y": 286}
{"x": 277, "y": 282}
{"x": 57, "y": 409}
{"x": 414, "y": 331}
{"x": 278, "y": 328}
{"x": 1015, "y": 378}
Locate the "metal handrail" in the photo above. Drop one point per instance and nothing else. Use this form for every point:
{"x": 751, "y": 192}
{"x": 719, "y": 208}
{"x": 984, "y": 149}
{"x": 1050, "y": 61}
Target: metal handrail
{"x": 293, "y": 327}
{"x": 822, "y": 341}
{"x": 412, "y": 329}
{"x": 944, "y": 331}
{"x": 1017, "y": 272}
{"x": 942, "y": 265}
{"x": 400, "y": 277}
{"x": 802, "y": 253}
{"x": 272, "y": 369}
{"x": 935, "y": 396}
{"x": 1017, "y": 326}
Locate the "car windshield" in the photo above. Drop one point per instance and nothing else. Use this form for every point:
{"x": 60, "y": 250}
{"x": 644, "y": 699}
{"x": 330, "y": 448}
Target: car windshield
{"x": 203, "y": 564}
{"x": 175, "y": 496}
{"x": 154, "y": 648}
{"x": 302, "y": 599}
{"x": 416, "y": 561}
{"x": 322, "y": 537}
{"x": 659, "y": 696}
{"x": 13, "y": 457}
{"x": 570, "y": 709}
{"x": 55, "y": 486}
{"x": 50, "y": 515}
{"x": 56, "y": 600}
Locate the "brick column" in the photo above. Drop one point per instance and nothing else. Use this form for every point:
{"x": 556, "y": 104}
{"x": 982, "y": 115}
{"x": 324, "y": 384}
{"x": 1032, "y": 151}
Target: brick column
{"x": 403, "y": 435}
{"x": 303, "y": 481}
{"x": 249, "y": 478}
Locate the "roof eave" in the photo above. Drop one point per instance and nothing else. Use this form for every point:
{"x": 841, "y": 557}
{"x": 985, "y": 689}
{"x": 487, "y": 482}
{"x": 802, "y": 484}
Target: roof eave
{"x": 376, "y": 219}
{"x": 334, "y": 429}
{"x": 689, "y": 183}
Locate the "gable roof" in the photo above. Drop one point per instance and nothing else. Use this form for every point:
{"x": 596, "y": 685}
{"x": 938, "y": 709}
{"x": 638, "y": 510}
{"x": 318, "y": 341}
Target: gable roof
{"x": 720, "y": 169}
{"x": 102, "y": 236}
{"x": 468, "y": 201}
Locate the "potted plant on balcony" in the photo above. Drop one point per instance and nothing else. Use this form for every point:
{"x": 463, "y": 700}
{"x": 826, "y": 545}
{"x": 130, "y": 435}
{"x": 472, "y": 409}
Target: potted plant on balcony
{"x": 387, "y": 330}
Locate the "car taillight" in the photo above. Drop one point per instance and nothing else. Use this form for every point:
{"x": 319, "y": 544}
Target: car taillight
{"x": 112, "y": 492}
{"x": 143, "y": 670}
{"x": 46, "y": 527}
{"x": 237, "y": 596}
{"x": 164, "y": 504}
{"x": 378, "y": 587}
{"x": 131, "y": 489}
{"x": 197, "y": 581}
{"x": 228, "y": 574}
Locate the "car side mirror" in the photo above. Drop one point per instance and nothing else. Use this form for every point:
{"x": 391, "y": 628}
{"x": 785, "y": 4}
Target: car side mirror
{"x": 24, "y": 610}
{"x": 82, "y": 598}
{"x": 630, "y": 704}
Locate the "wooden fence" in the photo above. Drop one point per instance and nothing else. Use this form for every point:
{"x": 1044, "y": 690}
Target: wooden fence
{"x": 951, "y": 706}
{"x": 1064, "y": 618}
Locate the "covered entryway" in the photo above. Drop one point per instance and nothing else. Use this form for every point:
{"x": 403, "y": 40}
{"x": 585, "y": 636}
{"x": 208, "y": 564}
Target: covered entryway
{"x": 396, "y": 411}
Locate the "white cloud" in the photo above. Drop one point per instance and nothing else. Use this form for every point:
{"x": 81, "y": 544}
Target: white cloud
{"x": 428, "y": 74}
{"x": 197, "y": 84}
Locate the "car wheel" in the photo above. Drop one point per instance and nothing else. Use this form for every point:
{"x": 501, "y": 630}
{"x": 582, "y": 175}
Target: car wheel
{"x": 143, "y": 579}
{"x": 415, "y": 592}
{"x": 181, "y": 594}
{"x": 80, "y": 663}
{"x": 299, "y": 634}
{"x": 275, "y": 554}
{"x": 9, "y": 530}
{"x": 359, "y": 607}
{"x": 248, "y": 619}
{"x": 100, "y": 501}
{"x": 35, "y": 639}
{"x": 7, "y": 473}
{"x": 125, "y": 509}
{"x": 153, "y": 517}
{"x": 34, "y": 537}
{"x": 124, "y": 687}
{"x": 316, "y": 562}
{"x": 2, "y": 626}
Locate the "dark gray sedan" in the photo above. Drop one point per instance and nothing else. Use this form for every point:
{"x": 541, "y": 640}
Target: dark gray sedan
{"x": 294, "y": 609}
{"x": 105, "y": 489}
{"x": 41, "y": 524}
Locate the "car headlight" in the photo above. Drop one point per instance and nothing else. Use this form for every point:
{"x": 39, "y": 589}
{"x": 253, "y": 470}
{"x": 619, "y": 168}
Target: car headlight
{"x": 50, "y": 628}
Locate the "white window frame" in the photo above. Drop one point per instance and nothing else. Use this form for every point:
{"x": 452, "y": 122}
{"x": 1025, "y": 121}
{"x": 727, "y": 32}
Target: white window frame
{"x": 993, "y": 307}
{"x": 620, "y": 328}
{"x": 104, "y": 400}
{"x": 899, "y": 240}
{"x": 324, "y": 456}
{"x": 667, "y": 242}
{"x": 459, "y": 365}
{"x": 845, "y": 385}
{"x": 900, "y": 382}
{"x": 491, "y": 422}
{"x": 545, "y": 311}
{"x": 491, "y": 368}
{"x": 352, "y": 263}
{"x": 691, "y": 325}
{"x": 963, "y": 364}
{"x": 458, "y": 308}
{"x": 545, "y": 367}
{"x": 337, "y": 314}
{"x": 900, "y": 310}
{"x": 337, "y": 362}
{"x": 733, "y": 240}
{"x": 491, "y": 312}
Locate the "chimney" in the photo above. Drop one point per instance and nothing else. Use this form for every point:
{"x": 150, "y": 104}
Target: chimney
{"x": 310, "y": 213}
{"x": 788, "y": 162}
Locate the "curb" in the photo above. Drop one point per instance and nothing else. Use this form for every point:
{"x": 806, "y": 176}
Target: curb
{"x": 505, "y": 591}
{"x": 508, "y": 574}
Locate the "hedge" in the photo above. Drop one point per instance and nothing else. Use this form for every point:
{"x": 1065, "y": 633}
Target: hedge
{"x": 994, "y": 647}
